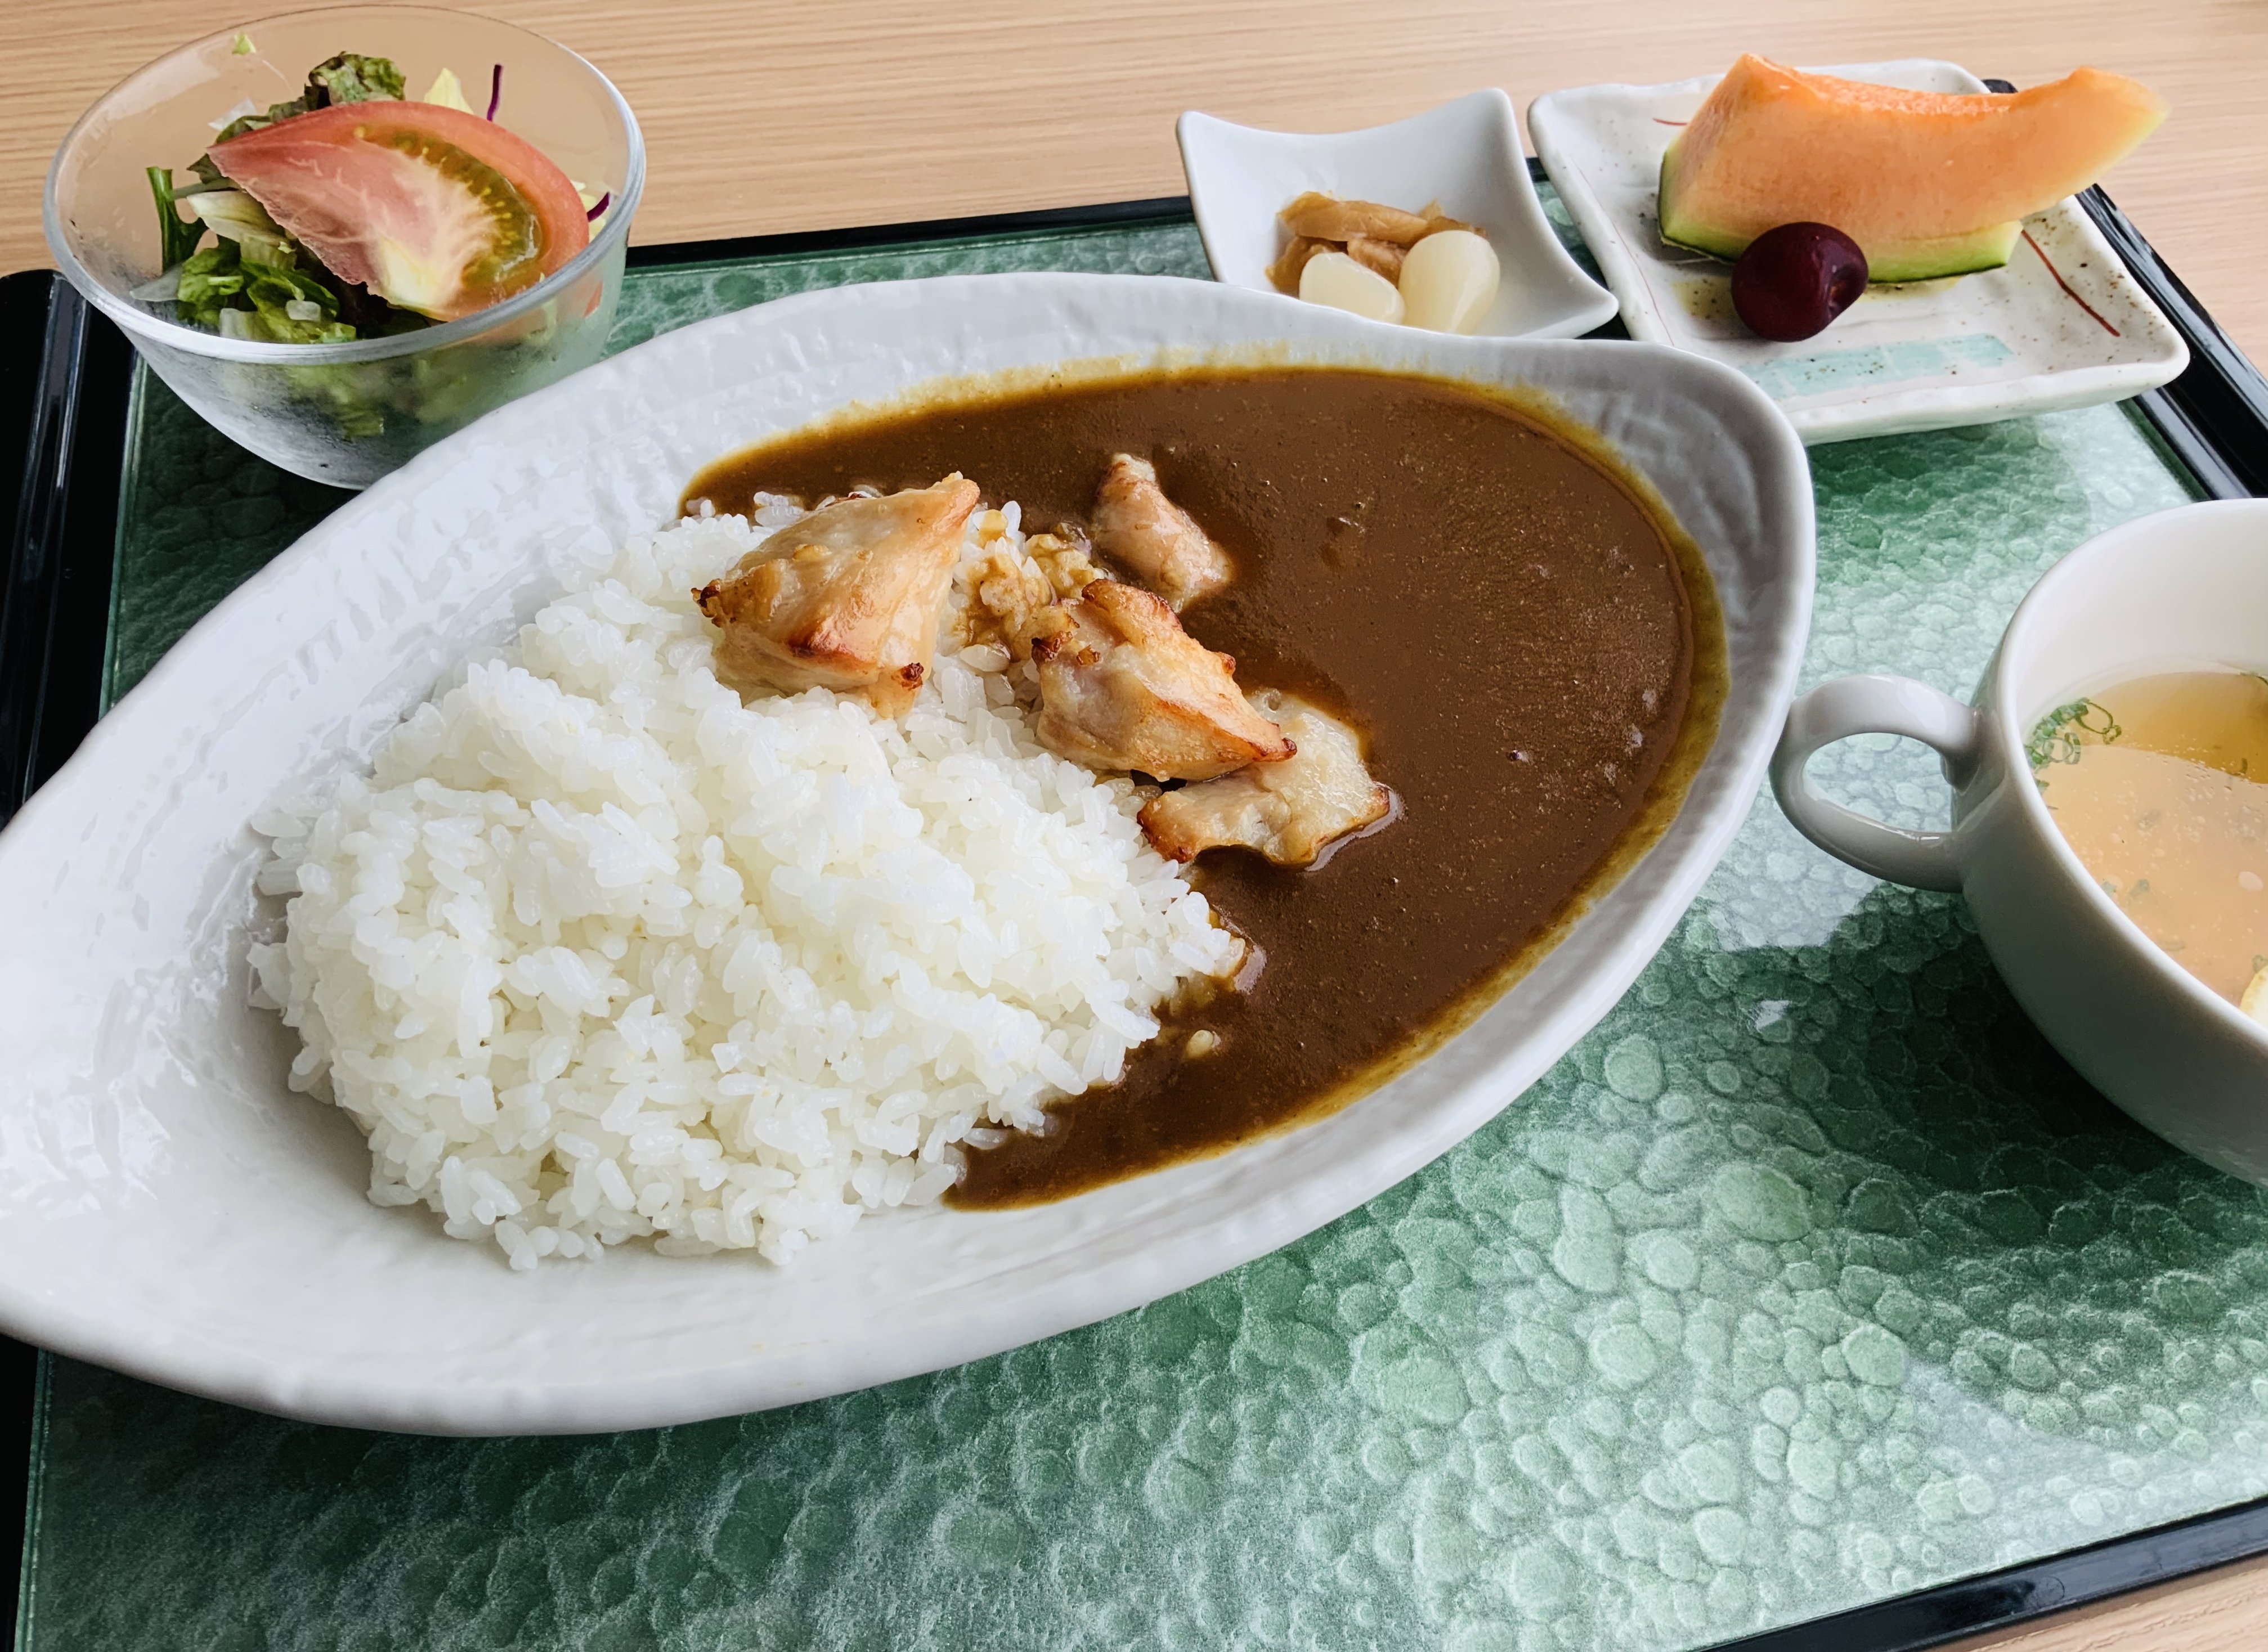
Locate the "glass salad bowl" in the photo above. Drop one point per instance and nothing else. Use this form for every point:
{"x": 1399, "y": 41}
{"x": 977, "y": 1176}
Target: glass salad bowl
{"x": 350, "y": 412}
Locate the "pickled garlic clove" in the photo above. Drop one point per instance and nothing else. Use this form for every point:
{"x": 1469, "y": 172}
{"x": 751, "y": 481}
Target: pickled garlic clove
{"x": 1449, "y": 281}
{"x": 1337, "y": 280}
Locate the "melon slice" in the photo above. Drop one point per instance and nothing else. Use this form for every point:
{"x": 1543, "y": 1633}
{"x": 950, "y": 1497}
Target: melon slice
{"x": 1928, "y": 183}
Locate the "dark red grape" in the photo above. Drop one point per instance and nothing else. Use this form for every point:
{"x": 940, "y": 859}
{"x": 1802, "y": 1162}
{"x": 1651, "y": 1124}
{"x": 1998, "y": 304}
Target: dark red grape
{"x": 1793, "y": 281}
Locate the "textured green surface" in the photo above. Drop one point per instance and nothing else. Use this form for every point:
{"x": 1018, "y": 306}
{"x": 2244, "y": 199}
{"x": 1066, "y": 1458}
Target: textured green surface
{"x": 1813, "y": 1276}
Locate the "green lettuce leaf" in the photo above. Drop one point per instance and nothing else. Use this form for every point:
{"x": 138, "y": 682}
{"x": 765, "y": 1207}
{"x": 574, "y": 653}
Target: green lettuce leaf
{"x": 241, "y": 297}
{"x": 274, "y": 328}
{"x": 271, "y": 287}
{"x": 236, "y": 216}
{"x": 244, "y": 123}
{"x": 208, "y": 280}
{"x": 350, "y": 78}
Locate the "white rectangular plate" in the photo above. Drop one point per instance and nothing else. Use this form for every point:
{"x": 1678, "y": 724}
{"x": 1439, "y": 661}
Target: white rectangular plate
{"x": 2062, "y": 326}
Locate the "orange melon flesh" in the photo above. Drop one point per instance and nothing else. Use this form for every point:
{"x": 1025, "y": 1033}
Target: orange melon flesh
{"x": 1928, "y": 183}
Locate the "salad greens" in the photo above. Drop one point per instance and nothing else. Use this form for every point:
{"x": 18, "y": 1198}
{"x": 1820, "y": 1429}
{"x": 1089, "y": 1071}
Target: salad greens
{"x": 282, "y": 306}
{"x": 256, "y": 282}
{"x": 349, "y": 78}
{"x": 177, "y": 237}
{"x": 231, "y": 267}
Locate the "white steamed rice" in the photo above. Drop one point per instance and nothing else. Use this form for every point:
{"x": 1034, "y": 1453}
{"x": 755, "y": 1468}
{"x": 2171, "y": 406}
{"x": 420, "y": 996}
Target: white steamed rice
{"x": 599, "y": 951}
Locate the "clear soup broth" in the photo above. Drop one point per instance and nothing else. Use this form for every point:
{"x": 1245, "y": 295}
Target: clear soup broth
{"x": 2160, "y": 785}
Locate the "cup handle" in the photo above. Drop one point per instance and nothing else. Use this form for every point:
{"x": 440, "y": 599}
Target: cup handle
{"x": 1875, "y": 705}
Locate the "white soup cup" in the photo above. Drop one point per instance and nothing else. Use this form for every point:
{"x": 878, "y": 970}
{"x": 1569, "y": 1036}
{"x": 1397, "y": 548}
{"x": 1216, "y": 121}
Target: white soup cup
{"x": 2183, "y": 589}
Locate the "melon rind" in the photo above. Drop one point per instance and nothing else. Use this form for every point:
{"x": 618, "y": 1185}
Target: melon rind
{"x": 1932, "y": 259}
{"x": 1929, "y": 184}
{"x": 1988, "y": 248}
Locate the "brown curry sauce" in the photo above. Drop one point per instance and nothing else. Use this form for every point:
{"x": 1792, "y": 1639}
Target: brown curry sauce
{"x": 1533, "y": 653}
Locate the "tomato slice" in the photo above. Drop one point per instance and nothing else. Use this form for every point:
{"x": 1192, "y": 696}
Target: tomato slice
{"x": 431, "y": 208}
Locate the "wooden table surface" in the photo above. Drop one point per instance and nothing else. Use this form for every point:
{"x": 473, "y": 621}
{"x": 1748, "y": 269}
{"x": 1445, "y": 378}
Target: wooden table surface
{"x": 799, "y": 114}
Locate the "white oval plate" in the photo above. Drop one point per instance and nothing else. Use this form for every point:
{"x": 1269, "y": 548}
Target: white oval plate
{"x": 169, "y": 1208}
{"x": 2062, "y": 325}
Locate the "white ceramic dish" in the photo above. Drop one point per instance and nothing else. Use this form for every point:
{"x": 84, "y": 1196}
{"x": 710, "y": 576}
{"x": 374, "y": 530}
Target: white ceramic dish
{"x": 167, "y": 1208}
{"x": 1465, "y": 154}
{"x": 2062, "y": 326}
{"x": 2183, "y": 589}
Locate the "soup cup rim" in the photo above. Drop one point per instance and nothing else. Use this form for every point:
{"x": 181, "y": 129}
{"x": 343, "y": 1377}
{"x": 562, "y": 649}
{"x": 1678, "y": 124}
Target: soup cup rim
{"x": 2041, "y": 613}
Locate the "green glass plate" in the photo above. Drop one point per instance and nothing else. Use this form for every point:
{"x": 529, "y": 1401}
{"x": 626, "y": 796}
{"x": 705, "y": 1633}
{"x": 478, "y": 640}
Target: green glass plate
{"x": 1812, "y": 1277}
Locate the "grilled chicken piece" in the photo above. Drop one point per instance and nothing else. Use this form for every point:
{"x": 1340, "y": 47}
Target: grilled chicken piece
{"x": 1122, "y": 686}
{"x": 1287, "y": 811}
{"x": 1135, "y": 523}
{"x": 847, "y": 599}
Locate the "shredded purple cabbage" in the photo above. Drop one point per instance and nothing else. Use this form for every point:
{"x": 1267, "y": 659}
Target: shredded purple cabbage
{"x": 593, "y": 215}
{"x": 496, "y": 91}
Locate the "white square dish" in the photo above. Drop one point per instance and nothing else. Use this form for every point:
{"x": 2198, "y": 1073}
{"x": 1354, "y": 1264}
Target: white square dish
{"x": 1465, "y": 155}
{"x": 2062, "y": 326}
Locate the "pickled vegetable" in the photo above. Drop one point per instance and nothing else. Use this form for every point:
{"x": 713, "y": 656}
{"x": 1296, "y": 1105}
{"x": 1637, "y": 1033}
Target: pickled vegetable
{"x": 1337, "y": 280}
{"x": 1449, "y": 281}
